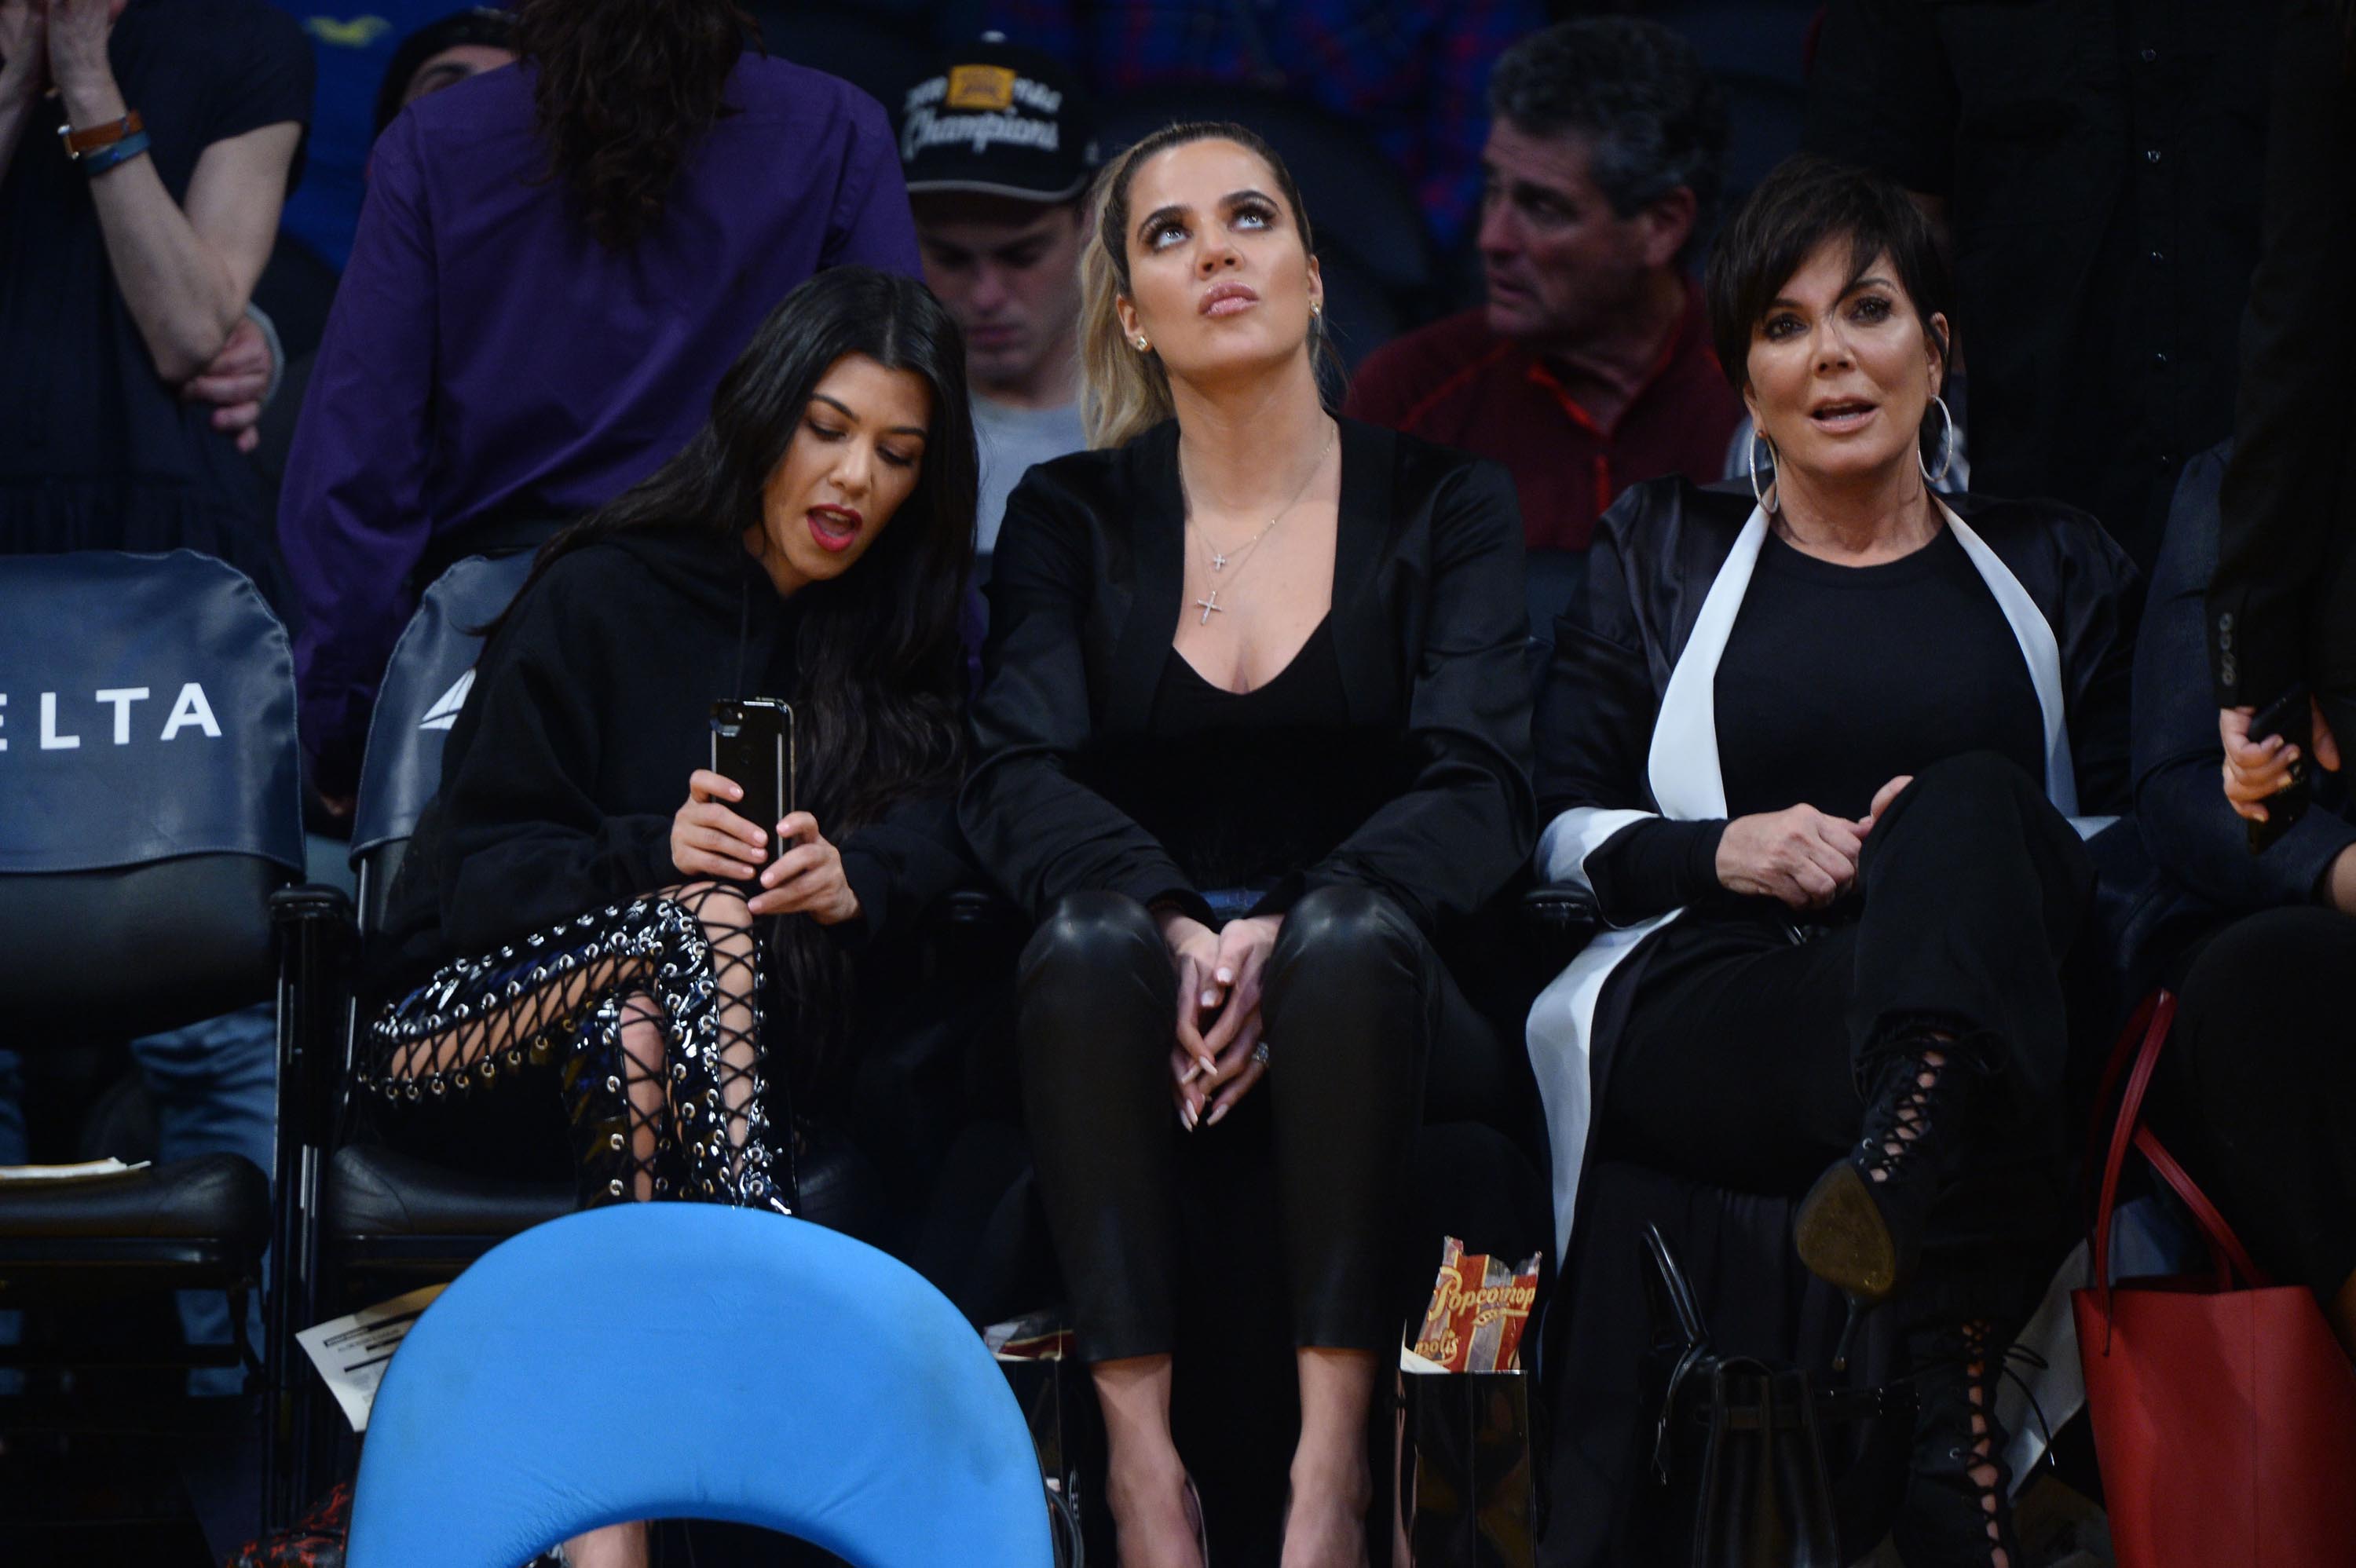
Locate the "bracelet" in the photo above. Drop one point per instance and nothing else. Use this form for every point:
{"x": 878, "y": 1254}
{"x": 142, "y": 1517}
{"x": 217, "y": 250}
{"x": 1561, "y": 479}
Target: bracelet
{"x": 123, "y": 152}
{"x": 82, "y": 144}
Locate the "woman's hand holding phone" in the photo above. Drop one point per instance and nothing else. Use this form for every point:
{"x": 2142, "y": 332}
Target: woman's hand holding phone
{"x": 808, "y": 879}
{"x": 710, "y": 839}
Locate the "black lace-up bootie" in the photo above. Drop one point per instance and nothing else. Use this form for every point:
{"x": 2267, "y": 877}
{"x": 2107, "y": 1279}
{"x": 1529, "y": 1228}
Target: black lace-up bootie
{"x": 1958, "y": 1506}
{"x": 1860, "y": 1227}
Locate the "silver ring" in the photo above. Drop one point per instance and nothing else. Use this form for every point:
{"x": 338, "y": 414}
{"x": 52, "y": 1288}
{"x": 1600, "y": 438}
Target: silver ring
{"x": 1260, "y": 1053}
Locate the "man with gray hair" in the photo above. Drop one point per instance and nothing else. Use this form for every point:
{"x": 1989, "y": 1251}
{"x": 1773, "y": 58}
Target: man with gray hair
{"x": 1590, "y": 367}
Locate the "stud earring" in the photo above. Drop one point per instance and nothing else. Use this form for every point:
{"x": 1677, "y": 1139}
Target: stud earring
{"x": 1142, "y": 345}
{"x": 1317, "y": 307}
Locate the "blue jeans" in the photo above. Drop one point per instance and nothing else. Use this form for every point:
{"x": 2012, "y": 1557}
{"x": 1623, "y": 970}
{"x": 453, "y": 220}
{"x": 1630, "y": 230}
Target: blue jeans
{"x": 215, "y": 1086}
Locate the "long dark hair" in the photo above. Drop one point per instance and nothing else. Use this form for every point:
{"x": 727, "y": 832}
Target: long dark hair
{"x": 622, "y": 89}
{"x": 877, "y": 658}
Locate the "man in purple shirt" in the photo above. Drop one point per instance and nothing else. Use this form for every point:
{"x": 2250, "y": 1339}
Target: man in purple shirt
{"x": 521, "y": 336}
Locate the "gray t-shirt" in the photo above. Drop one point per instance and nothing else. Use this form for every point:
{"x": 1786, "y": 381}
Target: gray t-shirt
{"x": 1012, "y": 440}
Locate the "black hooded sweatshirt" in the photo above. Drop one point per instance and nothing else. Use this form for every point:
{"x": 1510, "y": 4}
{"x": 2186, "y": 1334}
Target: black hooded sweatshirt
{"x": 590, "y": 707}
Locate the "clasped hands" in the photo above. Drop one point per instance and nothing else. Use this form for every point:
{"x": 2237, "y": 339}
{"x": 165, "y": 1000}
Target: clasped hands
{"x": 708, "y": 839}
{"x": 1800, "y": 856}
{"x": 1211, "y": 1059}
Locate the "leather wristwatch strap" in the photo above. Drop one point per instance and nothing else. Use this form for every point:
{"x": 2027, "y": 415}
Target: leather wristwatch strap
{"x": 80, "y": 142}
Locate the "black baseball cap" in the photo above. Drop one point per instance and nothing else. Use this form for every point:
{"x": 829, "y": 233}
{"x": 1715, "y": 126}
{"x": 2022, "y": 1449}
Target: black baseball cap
{"x": 999, "y": 120}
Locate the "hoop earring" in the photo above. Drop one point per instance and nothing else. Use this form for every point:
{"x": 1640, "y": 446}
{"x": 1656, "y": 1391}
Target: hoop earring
{"x": 1947, "y": 446}
{"x": 1759, "y": 491}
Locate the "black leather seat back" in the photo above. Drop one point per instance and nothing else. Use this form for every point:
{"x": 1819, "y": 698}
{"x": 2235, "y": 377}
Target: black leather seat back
{"x": 150, "y": 795}
{"x": 426, "y": 683}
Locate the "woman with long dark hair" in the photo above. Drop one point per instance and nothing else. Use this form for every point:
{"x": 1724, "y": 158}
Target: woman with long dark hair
{"x": 584, "y": 929}
{"x": 555, "y": 262}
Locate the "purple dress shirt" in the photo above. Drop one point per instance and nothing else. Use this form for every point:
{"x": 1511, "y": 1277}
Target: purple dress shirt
{"x": 487, "y": 360}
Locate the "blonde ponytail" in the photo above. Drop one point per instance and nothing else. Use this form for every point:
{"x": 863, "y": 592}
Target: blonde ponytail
{"x": 1124, "y": 391}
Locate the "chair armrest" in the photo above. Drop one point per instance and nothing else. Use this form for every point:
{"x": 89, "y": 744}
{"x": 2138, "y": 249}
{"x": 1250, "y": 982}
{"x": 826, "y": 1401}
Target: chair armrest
{"x": 1563, "y": 916}
{"x": 310, "y": 901}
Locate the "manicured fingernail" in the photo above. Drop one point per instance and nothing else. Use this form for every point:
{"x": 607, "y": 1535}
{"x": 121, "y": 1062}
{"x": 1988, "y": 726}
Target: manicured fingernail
{"x": 1194, "y": 1072}
{"x": 1217, "y": 1112}
{"x": 1224, "y": 976}
{"x": 1210, "y": 999}
{"x": 1186, "y": 1114}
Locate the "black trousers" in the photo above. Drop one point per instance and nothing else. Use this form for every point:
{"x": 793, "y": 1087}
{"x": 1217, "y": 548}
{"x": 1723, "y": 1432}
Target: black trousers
{"x": 1744, "y": 1053}
{"x": 1354, "y": 1000}
{"x": 2256, "y": 1093}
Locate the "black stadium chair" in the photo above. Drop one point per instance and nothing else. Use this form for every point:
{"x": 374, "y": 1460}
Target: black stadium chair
{"x": 373, "y": 1221}
{"x": 150, "y": 829}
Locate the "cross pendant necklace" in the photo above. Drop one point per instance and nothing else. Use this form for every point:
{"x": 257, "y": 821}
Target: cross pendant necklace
{"x": 1210, "y": 605}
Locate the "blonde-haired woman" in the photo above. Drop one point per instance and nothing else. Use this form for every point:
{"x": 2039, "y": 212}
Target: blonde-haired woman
{"x": 1253, "y": 732}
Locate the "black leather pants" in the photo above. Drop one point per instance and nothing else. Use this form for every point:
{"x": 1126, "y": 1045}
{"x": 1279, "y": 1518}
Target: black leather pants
{"x": 1353, "y": 999}
{"x": 1743, "y": 1051}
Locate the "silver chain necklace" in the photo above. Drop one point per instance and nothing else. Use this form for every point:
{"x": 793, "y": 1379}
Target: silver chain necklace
{"x": 1220, "y": 562}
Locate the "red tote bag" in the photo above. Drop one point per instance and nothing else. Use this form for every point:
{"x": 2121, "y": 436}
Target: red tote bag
{"x": 2224, "y": 1411}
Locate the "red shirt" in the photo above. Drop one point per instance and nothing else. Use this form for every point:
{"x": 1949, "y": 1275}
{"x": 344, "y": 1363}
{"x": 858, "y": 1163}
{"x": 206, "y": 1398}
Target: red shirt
{"x": 1457, "y": 383}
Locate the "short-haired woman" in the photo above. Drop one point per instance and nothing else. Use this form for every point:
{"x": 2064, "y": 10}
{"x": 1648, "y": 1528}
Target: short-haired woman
{"x": 1817, "y": 751}
{"x": 1241, "y": 649}
{"x": 555, "y": 263}
{"x": 582, "y": 929}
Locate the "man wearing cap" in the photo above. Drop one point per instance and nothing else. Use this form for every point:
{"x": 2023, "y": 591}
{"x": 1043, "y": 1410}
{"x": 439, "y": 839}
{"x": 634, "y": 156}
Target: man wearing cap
{"x": 998, "y": 151}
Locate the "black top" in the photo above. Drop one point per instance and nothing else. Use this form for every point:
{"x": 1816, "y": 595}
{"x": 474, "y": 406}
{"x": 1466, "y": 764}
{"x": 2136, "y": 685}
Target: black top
{"x": 1306, "y": 777}
{"x": 1428, "y": 630}
{"x": 590, "y": 707}
{"x": 1660, "y": 548}
{"x": 95, "y": 449}
{"x": 2098, "y": 158}
{"x": 2289, "y": 498}
{"x": 1834, "y": 680}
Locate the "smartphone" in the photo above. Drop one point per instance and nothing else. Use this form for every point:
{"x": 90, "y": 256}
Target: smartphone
{"x": 2290, "y": 717}
{"x": 753, "y": 748}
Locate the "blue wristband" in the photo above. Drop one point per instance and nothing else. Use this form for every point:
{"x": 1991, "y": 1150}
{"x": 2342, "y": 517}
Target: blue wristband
{"x": 123, "y": 152}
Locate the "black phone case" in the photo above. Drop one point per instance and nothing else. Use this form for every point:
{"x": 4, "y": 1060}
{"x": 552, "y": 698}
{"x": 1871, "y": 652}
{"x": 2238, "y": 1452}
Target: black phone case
{"x": 753, "y": 747}
{"x": 2289, "y": 716}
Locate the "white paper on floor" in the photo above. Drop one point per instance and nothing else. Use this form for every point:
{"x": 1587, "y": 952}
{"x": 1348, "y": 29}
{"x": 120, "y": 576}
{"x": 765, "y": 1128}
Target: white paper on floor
{"x": 352, "y": 1352}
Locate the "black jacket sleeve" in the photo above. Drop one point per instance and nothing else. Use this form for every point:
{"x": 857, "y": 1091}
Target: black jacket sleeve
{"x": 525, "y": 845}
{"x": 2103, "y": 604}
{"x": 2288, "y": 506}
{"x": 1466, "y": 821}
{"x": 1040, "y": 832}
{"x": 899, "y": 867}
{"x": 1594, "y": 730}
{"x": 2180, "y": 808}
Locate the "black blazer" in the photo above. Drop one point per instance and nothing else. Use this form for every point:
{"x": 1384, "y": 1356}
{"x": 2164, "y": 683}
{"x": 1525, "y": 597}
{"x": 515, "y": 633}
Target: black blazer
{"x": 1428, "y": 621}
{"x": 1660, "y": 547}
{"x": 2280, "y": 600}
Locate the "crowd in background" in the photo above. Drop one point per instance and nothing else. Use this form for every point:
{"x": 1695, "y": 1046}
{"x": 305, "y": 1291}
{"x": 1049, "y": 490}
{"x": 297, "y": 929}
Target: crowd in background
{"x": 346, "y": 301}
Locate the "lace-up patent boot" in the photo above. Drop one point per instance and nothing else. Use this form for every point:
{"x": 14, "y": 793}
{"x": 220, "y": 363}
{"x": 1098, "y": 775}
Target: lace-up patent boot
{"x": 1860, "y": 1227}
{"x": 1958, "y": 1506}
